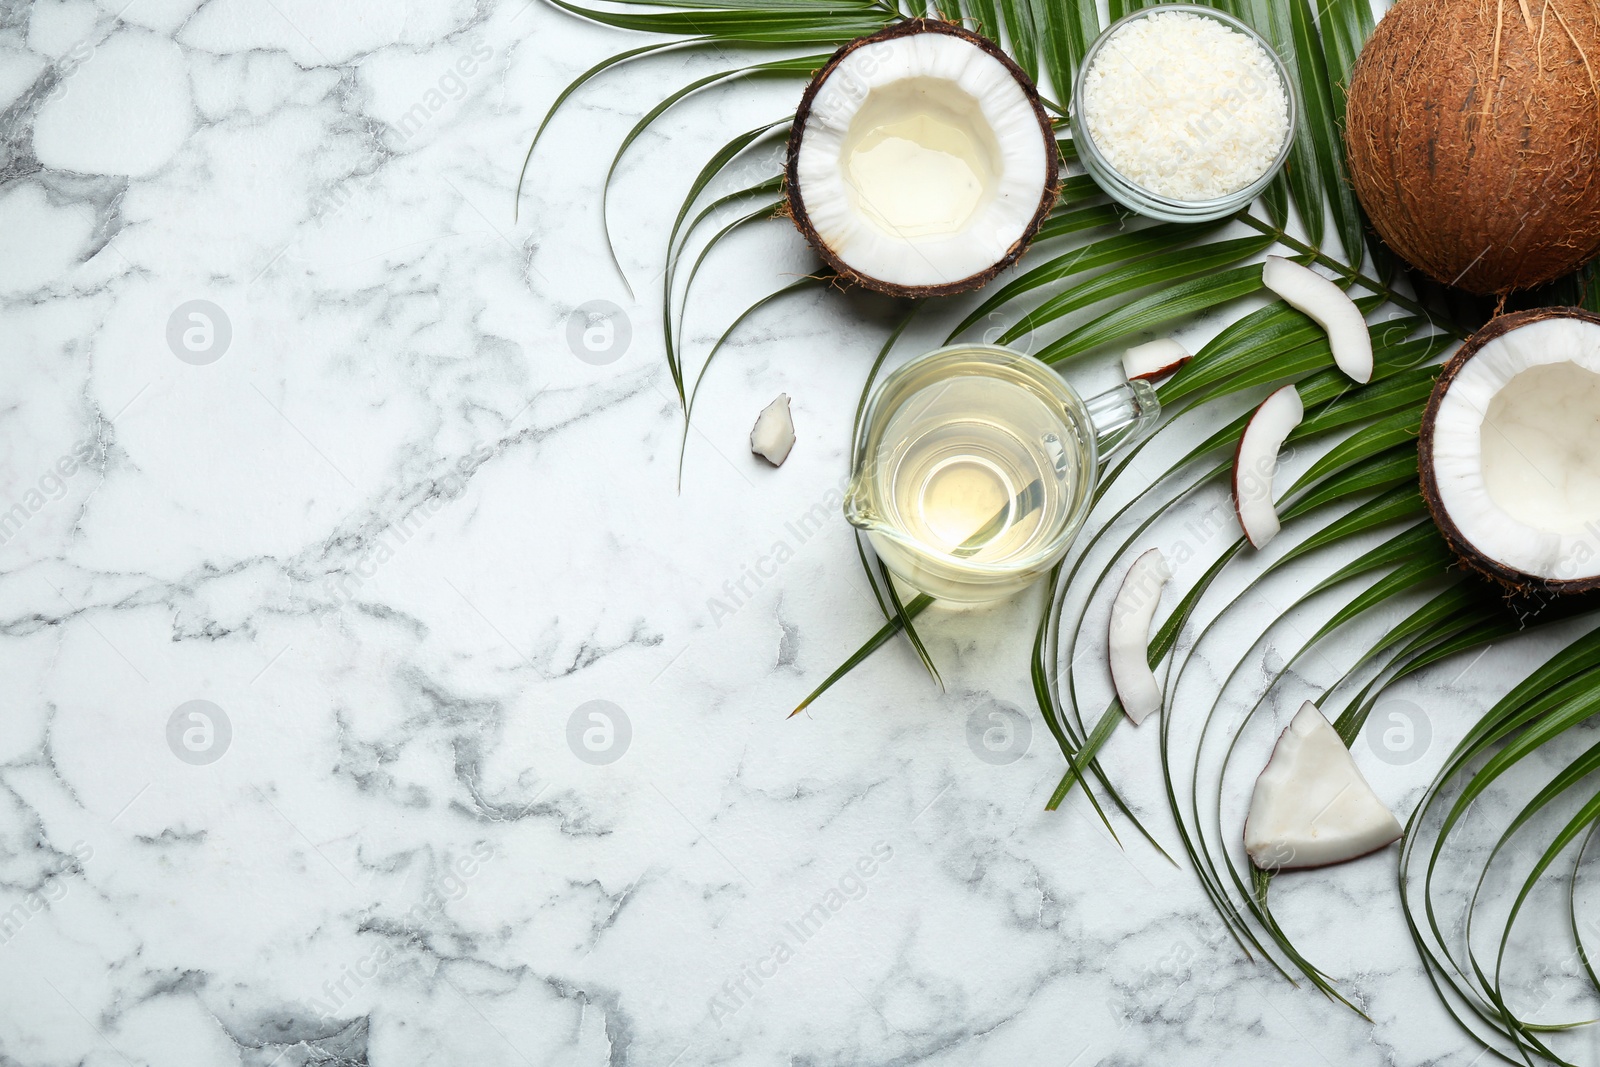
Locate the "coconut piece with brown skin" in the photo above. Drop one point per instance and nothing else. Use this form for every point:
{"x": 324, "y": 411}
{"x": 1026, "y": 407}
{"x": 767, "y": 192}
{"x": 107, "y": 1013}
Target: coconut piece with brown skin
{"x": 1509, "y": 451}
{"x": 1154, "y": 360}
{"x": 1129, "y": 643}
{"x": 921, "y": 162}
{"x": 1255, "y": 463}
{"x": 1473, "y": 129}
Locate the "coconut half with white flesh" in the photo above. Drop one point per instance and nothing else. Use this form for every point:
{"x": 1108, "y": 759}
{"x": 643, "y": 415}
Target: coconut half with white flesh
{"x": 1311, "y": 806}
{"x": 921, "y": 162}
{"x": 1510, "y": 451}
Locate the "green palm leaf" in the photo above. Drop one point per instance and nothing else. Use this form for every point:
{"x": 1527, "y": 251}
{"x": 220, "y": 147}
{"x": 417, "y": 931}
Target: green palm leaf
{"x": 1157, "y": 309}
{"x": 725, "y": 155}
{"x": 985, "y": 18}
{"x": 748, "y": 21}
{"x": 1130, "y": 277}
{"x": 1024, "y": 37}
{"x": 778, "y": 68}
{"x": 1122, "y": 248}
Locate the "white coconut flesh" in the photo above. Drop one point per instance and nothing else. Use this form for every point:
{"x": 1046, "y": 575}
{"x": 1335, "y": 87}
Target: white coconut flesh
{"x": 772, "y": 436}
{"x": 1516, "y": 449}
{"x": 1330, "y": 307}
{"x": 1311, "y": 805}
{"x": 1256, "y": 464}
{"x": 922, "y": 161}
{"x": 1131, "y": 614}
{"x": 1154, "y": 359}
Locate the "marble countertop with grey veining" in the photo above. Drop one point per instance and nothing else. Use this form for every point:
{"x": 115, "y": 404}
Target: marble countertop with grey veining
{"x": 373, "y": 693}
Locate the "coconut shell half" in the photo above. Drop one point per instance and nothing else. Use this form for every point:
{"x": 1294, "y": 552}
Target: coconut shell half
{"x": 1026, "y": 216}
{"x": 1471, "y": 554}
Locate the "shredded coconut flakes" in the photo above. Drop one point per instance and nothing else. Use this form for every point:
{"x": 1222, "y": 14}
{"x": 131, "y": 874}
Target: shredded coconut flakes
{"x": 1185, "y": 106}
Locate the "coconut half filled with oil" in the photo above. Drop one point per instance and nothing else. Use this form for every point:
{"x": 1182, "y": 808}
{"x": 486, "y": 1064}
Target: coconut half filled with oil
{"x": 921, "y": 162}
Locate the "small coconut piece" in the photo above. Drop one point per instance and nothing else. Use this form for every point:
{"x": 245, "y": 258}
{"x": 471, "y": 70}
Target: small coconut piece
{"x": 921, "y": 160}
{"x": 1311, "y": 806}
{"x": 773, "y": 434}
{"x": 1256, "y": 463}
{"x": 1509, "y": 451}
{"x": 1331, "y": 308}
{"x": 1154, "y": 359}
{"x": 1131, "y": 614}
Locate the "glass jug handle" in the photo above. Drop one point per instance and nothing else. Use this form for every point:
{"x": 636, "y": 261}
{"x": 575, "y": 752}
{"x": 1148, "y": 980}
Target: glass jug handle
{"x": 1123, "y": 415}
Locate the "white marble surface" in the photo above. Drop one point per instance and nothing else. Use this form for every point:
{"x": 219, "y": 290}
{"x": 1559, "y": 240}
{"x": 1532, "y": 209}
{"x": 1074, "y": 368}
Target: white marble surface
{"x": 398, "y": 533}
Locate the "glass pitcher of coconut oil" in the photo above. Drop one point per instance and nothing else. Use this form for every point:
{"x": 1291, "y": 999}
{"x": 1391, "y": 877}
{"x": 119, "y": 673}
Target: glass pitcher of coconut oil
{"x": 976, "y": 467}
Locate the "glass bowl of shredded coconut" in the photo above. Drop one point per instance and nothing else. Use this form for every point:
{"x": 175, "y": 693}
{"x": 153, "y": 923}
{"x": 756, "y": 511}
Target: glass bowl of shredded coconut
{"x": 1182, "y": 113}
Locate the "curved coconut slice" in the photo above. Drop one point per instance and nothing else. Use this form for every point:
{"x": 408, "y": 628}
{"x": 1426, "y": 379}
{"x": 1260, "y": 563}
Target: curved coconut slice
{"x": 1331, "y": 307}
{"x": 1256, "y": 463}
{"x": 1311, "y": 806}
{"x": 1154, "y": 359}
{"x": 1510, "y": 451}
{"x": 921, "y": 161}
{"x": 1131, "y": 614}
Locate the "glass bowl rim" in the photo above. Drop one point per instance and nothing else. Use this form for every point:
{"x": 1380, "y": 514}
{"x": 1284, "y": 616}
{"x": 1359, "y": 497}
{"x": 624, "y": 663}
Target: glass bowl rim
{"x": 1084, "y": 141}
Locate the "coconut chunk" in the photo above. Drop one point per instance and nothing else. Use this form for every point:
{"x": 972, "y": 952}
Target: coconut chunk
{"x": 1331, "y": 308}
{"x": 1311, "y": 806}
{"x": 1154, "y": 359}
{"x": 1131, "y": 615}
{"x": 1256, "y": 463}
{"x": 773, "y": 434}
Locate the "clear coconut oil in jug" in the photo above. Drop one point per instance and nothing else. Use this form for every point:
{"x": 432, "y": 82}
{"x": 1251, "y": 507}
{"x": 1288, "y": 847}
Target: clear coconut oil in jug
{"x": 975, "y": 468}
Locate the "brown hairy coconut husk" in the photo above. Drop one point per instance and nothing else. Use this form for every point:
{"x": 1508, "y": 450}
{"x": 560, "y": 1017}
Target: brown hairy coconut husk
{"x": 1037, "y": 209}
{"x": 1576, "y": 334}
{"x": 1473, "y": 129}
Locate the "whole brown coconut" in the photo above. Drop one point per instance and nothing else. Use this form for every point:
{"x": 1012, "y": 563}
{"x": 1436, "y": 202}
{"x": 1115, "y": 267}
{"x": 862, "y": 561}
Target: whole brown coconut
{"x": 1473, "y": 129}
